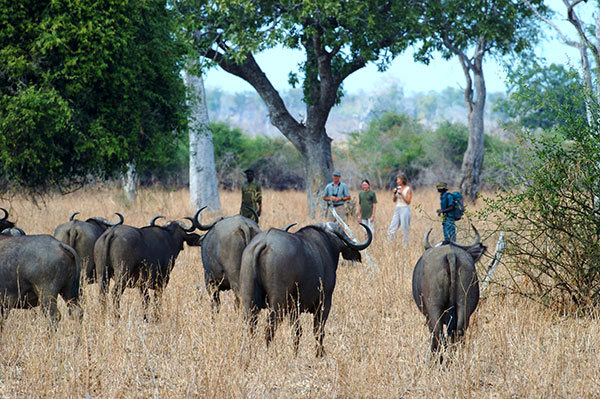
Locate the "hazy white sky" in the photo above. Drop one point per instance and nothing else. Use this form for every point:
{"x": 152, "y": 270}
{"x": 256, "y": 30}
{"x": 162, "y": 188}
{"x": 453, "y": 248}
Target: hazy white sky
{"x": 411, "y": 75}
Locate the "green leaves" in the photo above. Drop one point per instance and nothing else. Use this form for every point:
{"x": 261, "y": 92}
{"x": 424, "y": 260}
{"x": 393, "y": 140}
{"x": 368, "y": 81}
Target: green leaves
{"x": 550, "y": 212}
{"x": 349, "y": 33}
{"x": 87, "y": 87}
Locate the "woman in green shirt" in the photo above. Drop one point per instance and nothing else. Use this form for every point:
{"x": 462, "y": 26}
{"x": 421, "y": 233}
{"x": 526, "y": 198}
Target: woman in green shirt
{"x": 368, "y": 204}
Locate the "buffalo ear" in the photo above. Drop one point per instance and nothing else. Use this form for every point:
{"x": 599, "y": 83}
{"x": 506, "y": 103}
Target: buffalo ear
{"x": 350, "y": 254}
{"x": 476, "y": 251}
{"x": 193, "y": 239}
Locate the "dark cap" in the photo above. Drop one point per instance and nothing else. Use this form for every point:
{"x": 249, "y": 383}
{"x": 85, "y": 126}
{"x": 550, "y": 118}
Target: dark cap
{"x": 249, "y": 171}
{"x": 336, "y": 173}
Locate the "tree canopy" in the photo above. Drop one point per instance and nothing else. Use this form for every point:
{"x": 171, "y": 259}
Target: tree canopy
{"x": 532, "y": 85}
{"x": 337, "y": 38}
{"x": 86, "y": 87}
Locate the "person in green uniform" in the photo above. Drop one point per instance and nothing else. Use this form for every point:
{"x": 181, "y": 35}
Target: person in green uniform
{"x": 368, "y": 204}
{"x": 251, "y": 195}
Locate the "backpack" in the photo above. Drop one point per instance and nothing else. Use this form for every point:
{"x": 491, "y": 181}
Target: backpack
{"x": 459, "y": 207}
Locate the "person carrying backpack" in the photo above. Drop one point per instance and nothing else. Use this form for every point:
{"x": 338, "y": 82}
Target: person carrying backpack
{"x": 447, "y": 212}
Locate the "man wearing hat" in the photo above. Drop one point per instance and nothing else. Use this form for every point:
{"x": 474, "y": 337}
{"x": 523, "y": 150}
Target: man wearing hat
{"x": 336, "y": 194}
{"x": 446, "y": 208}
{"x": 251, "y": 195}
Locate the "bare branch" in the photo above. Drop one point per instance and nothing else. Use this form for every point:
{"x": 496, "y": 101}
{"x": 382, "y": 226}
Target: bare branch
{"x": 562, "y": 36}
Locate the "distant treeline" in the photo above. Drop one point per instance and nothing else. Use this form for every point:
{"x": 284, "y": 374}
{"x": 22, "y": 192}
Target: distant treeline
{"x": 389, "y": 144}
{"x": 247, "y": 111}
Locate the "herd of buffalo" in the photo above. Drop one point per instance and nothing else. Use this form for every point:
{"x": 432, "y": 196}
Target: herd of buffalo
{"x": 286, "y": 273}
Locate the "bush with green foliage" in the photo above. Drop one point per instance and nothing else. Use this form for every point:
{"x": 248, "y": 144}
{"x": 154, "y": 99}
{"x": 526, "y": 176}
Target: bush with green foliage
{"x": 390, "y": 143}
{"x": 532, "y": 84}
{"x": 550, "y": 212}
{"x": 85, "y": 88}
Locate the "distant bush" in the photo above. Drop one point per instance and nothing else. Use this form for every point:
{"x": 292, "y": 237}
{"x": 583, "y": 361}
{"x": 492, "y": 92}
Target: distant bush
{"x": 276, "y": 162}
{"x": 390, "y": 143}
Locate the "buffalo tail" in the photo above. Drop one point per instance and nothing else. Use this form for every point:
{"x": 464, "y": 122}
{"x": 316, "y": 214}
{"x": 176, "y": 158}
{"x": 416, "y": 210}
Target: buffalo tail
{"x": 452, "y": 309}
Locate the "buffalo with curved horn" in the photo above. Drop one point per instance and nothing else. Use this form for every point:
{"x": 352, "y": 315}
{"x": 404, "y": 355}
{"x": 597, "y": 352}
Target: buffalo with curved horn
{"x": 141, "y": 257}
{"x": 82, "y": 236}
{"x": 445, "y": 287}
{"x": 292, "y": 273}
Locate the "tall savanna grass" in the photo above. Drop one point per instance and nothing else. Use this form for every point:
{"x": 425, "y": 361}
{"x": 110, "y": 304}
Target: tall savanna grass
{"x": 376, "y": 341}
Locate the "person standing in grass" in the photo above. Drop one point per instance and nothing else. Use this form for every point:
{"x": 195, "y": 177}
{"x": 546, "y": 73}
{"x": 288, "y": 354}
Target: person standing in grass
{"x": 402, "y": 197}
{"x": 446, "y": 208}
{"x": 336, "y": 194}
{"x": 368, "y": 204}
{"x": 251, "y": 196}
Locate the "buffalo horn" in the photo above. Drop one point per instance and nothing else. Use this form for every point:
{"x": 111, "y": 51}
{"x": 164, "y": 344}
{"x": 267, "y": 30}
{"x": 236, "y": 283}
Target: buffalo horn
{"x": 154, "y": 219}
{"x": 72, "y": 217}
{"x": 289, "y": 226}
{"x": 426, "y": 243}
{"x": 356, "y": 246}
{"x": 477, "y": 236}
{"x": 121, "y": 220}
{"x": 189, "y": 229}
{"x": 201, "y": 226}
{"x": 254, "y": 214}
{"x": 476, "y": 241}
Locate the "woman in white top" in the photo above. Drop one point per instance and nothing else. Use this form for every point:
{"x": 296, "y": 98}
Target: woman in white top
{"x": 402, "y": 198}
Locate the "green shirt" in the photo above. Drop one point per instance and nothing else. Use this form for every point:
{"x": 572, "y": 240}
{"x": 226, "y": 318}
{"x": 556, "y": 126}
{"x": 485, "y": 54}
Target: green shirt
{"x": 251, "y": 196}
{"x": 366, "y": 200}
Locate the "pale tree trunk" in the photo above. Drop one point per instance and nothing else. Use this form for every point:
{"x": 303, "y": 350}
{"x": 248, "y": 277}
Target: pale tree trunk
{"x": 474, "y": 96}
{"x": 204, "y": 188}
{"x": 129, "y": 180}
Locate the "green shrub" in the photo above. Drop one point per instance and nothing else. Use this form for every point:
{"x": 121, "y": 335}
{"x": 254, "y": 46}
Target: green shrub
{"x": 390, "y": 144}
{"x": 550, "y": 213}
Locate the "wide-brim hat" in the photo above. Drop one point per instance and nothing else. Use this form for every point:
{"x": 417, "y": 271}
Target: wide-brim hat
{"x": 442, "y": 185}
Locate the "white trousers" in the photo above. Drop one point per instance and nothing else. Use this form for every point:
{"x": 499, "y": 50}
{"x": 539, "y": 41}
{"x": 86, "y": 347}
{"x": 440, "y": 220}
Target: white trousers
{"x": 401, "y": 218}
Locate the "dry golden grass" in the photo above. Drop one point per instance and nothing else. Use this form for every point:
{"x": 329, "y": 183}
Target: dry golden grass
{"x": 375, "y": 339}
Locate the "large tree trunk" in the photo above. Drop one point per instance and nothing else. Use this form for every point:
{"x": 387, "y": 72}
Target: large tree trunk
{"x": 204, "y": 188}
{"x": 308, "y": 137}
{"x": 475, "y": 101}
{"x": 318, "y": 164}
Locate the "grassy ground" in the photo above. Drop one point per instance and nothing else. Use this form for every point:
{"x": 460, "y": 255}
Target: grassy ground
{"x": 376, "y": 340}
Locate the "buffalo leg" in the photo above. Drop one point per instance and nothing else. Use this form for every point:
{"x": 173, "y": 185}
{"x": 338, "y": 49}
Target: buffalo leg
{"x": 145, "y": 292}
{"x": 295, "y": 322}
{"x": 117, "y": 292}
{"x": 50, "y": 309}
{"x": 213, "y": 290}
{"x": 319, "y": 320}
{"x": 4, "y": 310}
{"x": 158, "y": 292}
{"x": 435, "y": 324}
{"x": 272, "y": 321}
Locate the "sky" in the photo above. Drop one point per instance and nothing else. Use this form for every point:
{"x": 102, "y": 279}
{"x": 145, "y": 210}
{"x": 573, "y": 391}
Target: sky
{"x": 407, "y": 73}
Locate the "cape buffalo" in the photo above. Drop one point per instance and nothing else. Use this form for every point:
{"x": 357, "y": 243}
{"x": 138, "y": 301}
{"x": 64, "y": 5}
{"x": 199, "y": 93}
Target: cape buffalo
{"x": 34, "y": 270}
{"x": 81, "y": 236}
{"x": 222, "y": 249}
{"x": 142, "y": 257}
{"x": 445, "y": 287}
{"x": 293, "y": 273}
